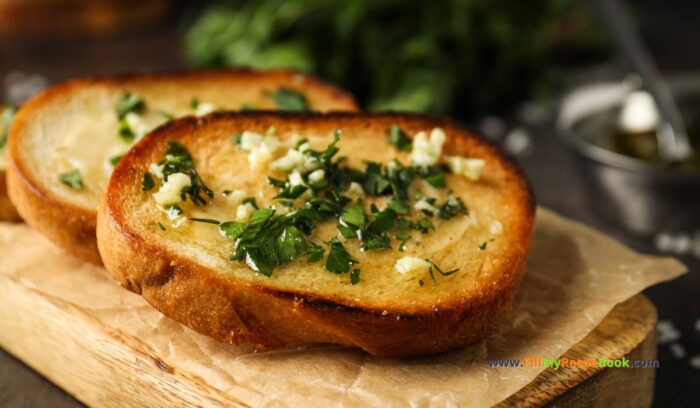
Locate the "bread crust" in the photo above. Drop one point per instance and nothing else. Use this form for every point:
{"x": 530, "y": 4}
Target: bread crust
{"x": 237, "y": 312}
{"x": 7, "y": 210}
{"x": 71, "y": 226}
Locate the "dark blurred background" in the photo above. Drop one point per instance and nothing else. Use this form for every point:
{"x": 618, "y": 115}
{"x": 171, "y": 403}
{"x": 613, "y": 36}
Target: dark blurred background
{"x": 500, "y": 66}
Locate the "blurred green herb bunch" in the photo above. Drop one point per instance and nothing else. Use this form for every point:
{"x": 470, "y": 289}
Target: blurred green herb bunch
{"x": 457, "y": 57}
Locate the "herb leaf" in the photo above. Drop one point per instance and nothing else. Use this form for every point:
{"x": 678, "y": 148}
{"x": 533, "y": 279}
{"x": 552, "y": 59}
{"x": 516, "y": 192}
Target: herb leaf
{"x": 178, "y": 160}
{"x": 290, "y": 100}
{"x": 5, "y": 121}
{"x": 205, "y": 220}
{"x": 128, "y": 103}
{"x": 147, "y": 183}
{"x": 231, "y": 230}
{"x": 292, "y": 192}
{"x": 72, "y": 179}
{"x": 452, "y": 207}
{"x": 339, "y": 260}
{"x": 374, "y": 182}
{"x": 355, "y": 276}
{"x": 396, "y": 136}
{"x": 314, "y": 253}
{"x": 354, "y": 216}
{"x": 115, "y": 159}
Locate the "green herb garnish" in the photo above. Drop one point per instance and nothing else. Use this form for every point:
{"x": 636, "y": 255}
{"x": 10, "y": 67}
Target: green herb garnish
{"x": 128, "y": 103}
{"x": 292, "y": 192}
{"x": 339, "y": 260}
{"x": 72, "y": 179}
{"x": 268, "y": 241}
{"x": 424, "y": 225}
{"x": 290, "y": 100}
{"x": 236, "y": 138}
{"x": 125, "y": 132}
{"x": 251, "y": 201}
{"x": 452, "y": 207}
{"x": 231, "y": 230}
{"x": 161, "y": 226}
{"x": 115, "y": 159}
{"x": 206, "y": 220}
{"x": 147, "y": 183}
{"x": 5, "y": 121}
{"x": 434, "y": 267}
{"x": 165, "y": 115}
{"x": 355, "y": 276}
{"x": 396, "y": 136}
{"x": 314, "y": 254}
{"x": 178, "y": 160}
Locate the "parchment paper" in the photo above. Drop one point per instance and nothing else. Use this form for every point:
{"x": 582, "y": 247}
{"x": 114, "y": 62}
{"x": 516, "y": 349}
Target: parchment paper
{"x": 574, "y": 277}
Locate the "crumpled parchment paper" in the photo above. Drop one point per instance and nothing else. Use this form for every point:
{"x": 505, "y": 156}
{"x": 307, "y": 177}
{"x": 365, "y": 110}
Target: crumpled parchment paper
{"x": 574, "y": 277}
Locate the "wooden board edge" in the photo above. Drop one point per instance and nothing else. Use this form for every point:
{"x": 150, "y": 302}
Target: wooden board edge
{"x": 122, "y": 373}
{"x": 631, "y": 324}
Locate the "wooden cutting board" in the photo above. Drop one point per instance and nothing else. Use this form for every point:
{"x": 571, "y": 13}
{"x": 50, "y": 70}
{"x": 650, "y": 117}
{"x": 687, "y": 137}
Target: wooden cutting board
{"x": 100, "y": 367}
{"x": 100, "y": 364}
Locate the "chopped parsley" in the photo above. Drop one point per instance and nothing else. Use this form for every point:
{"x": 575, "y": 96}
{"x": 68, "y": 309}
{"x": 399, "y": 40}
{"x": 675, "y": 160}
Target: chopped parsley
{"x": 161, "y": 226}
{"x": 288, "y": 99}
{"x": 397, "y": 137}
{"x": 72, "y": 179}
{"x": 5, "y": 121}
{"x": 125, "y": 132}
{"x": 178, "y": 160}
{"x": 115, "y": 159}
{"x": 452, "y": 207}
{"x": 355, "y": 276}
{"x": 236, "y": 138}
{"x": 339, "y": 260}
{"x": 231, "y": 230}
{"x": 251, "y": 201}
{"x": 165, "y": 115}
{"x": 205, "y": 220}
{"x": 434, "y": 268}
{"x": 129, "y": 102}
{"x": 147, "y": 183}
{"x": 269, "y": 240}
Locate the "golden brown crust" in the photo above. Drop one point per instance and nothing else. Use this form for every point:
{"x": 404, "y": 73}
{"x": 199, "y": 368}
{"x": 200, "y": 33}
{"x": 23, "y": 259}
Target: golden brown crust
{"x": 72, "y": 227}
{"x": 239, "y": 312}
{"x": 7, "y": 210}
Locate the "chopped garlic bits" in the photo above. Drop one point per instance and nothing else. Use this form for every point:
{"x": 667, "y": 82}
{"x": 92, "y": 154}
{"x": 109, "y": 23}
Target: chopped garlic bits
{"x": 427, "y": 152}
{"x": 469, "y": 168}
{"x": 204, "y": 109}
{"x": 296, "y": 160}
{"x": 355, "y": 190}
{"x": 261, "y": 148}
{"x": 411, "y": 264}
{"x": 244, "y": 212}
{"x": 137, "y": 124}
{"x": 170, "y": 192}
{"x": 424, "y": 205}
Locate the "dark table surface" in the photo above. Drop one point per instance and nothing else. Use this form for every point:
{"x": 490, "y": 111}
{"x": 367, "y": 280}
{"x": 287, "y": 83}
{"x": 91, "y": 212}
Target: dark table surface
{"x": 554, "y": 179}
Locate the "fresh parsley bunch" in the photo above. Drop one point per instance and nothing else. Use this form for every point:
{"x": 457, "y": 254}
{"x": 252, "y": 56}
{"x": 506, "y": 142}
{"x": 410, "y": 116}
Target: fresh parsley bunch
{"x": 458, "y": 57}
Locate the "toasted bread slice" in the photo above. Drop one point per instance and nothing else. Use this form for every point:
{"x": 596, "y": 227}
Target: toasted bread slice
{"x": 7, "y": 210}
{"x": 185, "y": 270}
{"x": 75, "y": 126}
